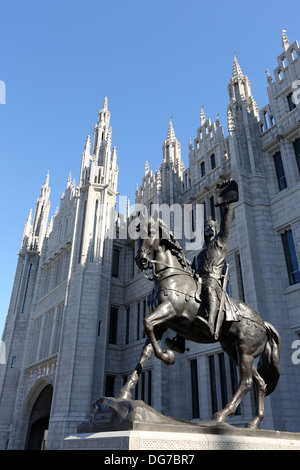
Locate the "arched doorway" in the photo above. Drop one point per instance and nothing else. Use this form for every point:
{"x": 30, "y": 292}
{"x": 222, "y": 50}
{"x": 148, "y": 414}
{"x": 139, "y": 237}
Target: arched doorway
{"x": 39, "y": 420}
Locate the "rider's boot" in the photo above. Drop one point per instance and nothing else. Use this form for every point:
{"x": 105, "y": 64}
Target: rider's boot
{"x": 176, "y": 344}
{"x": 213, "y": 310}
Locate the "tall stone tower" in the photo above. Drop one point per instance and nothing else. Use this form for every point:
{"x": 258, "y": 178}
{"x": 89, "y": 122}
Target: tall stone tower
{"x": 57, "y": 321}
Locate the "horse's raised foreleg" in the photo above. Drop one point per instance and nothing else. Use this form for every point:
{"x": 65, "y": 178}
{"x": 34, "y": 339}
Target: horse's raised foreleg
{"x": 131, "y": 383}
{"x": 159, "y": 317}
{"x": 245, "y": 368}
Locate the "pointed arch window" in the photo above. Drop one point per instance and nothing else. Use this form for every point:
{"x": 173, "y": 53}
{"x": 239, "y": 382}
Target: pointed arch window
{"x": 115, "y": 263}
{"x": 82, "y": 232}
{"x": 94, "y": 232}
{"x": 297, "y": 151}
{"x": 291, "y": 257}
{"x": 280, "y": 171}
{"x": 26, "y": 288}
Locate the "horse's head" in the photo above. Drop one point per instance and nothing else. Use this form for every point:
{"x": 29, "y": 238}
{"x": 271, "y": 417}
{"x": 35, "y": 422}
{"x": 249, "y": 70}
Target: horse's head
{"x": 148, "y": 241}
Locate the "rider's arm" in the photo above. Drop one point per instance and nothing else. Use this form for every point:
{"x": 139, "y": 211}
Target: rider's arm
{"x": 225, "y": 224}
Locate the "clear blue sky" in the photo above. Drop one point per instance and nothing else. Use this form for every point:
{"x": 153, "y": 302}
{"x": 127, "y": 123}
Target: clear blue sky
{"x": 153, "y": 58}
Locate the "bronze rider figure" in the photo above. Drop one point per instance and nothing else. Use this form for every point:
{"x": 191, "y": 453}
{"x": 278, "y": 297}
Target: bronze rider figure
{"x": 210, "y": 261}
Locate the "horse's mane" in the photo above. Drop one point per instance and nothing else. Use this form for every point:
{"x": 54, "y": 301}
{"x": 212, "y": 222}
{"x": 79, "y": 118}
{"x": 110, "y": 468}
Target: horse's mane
{"x": 169, "y": 241}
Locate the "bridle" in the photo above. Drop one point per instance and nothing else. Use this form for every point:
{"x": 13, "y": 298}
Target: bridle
{"x": 153, "y": 262}
{"x": 148, "y": 252}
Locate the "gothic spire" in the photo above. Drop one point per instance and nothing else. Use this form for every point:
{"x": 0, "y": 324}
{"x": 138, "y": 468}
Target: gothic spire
{"x": 45, "y": 190}
{"x": 171, "y": 132}
{"x": 236, "y": 69}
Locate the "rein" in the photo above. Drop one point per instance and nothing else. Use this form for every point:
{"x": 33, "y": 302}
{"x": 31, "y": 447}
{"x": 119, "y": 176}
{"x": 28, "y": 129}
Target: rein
{"x": 153, "y": 262}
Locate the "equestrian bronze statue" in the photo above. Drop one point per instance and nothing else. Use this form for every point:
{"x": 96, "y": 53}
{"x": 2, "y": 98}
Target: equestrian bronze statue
{"x": 191, "y": 299}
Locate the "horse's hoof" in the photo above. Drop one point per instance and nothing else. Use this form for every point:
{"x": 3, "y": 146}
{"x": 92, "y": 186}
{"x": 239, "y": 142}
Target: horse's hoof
{"x": 251, "y": 425}
{"x": 168, "y": 357}
{"x": 219, "y": 418}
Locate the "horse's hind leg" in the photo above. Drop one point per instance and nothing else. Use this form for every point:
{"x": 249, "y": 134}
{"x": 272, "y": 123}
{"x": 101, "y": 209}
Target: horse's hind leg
{"x": 260, "y": 390}
{"x": 245, "y": 368}
{"x": 125, "y": 391}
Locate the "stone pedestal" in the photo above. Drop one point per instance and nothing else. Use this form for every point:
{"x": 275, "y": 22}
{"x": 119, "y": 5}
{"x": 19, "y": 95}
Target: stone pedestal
{"x": 121, "y": 425}
{"x": 170, "y": 441}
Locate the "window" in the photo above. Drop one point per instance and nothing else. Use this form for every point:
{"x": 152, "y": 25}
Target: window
{"x": 94, "y": 233}
{"x": 82, "y": 232}
{"x": 195, "y": 389}
{"x": 186, "y": 183}
{"x": 234, "y": 382}
{"x": 212, "y": 207}
{"x": 223, "y": 381}
{"x": 133, "y": 261}
{"x": 138, "y": 321}
{"x": 115, "y": 263}
{"x": 204, "y": 211}
{"x": 144, "y": 313}
{"x": 26, "y": 288}
{"x": 202, "y": 169}
{"x": 113, "y": 324}
{"x": 297, "y": 151}
{"x": 291, "y": 102}
{"x": 213, "y": 161}
{"x": 143, "y": 389}
{"x": 127, "y": 325}
{"x": 221, "y": 366}
{"x": 239, "y": 273}
{"x": 280, "y": 171}
{"x": 266, "y": 120}
{"x": 109, "y": 386}
{"x": 213, "y": 385}
{"x": 57, "y": 320}
{"x": 13, "y": 362}
{"x": 58, "y": 266}
{"x": 290, "y": 257}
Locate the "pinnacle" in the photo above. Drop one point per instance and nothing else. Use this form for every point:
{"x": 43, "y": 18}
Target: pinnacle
{"x": 105, "y": 102}
{"x": 236, "y": 69}
{"x": 202, "y": 116}
{"x": 171, "y": 132}
{"x": 285, "y": 40}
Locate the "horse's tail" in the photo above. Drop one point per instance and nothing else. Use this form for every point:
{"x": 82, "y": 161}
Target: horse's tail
{"x": 268, "y": 365}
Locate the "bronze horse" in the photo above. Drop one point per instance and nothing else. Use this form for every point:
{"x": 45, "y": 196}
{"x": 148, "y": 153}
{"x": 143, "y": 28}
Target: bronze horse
{"x": 174, "y": 304}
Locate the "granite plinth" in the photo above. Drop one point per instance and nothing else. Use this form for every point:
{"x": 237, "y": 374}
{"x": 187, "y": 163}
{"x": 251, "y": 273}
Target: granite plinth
{"x": 170, "y": 441}
{"x": 132, "y": 425}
